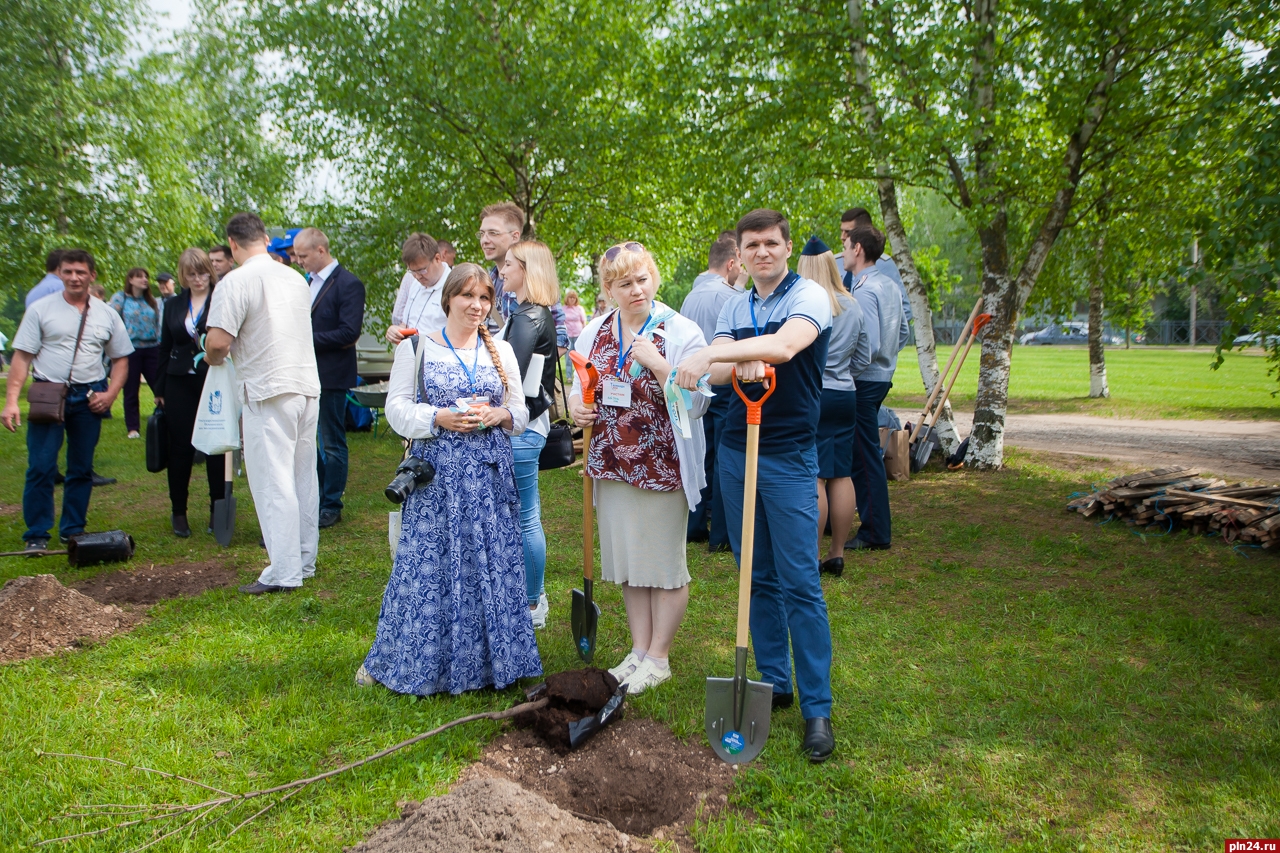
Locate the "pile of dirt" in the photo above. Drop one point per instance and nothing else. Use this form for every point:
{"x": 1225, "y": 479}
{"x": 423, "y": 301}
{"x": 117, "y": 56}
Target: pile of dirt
{"x": 38, "y": 616}
{"x": 491, "y": 815}
{"x": 635, "y": 774}
{"x": 157, "y": 583}
{"x": 571, "y": 696}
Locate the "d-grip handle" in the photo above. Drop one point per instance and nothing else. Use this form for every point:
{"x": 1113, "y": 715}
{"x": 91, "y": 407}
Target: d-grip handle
{"x": 588, "y": 375}
{"x": 754, "y": 406}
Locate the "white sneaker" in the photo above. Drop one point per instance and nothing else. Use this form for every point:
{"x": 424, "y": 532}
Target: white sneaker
{"x": 539, "y": 613}
{"x": 624, "y": 670}
{"x": 647, "y": 675}
{"x": 134, "y": 434}
{"x": 363, "y": 678}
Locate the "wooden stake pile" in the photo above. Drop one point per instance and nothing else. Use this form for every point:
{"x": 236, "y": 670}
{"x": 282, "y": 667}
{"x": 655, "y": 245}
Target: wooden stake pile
{"x": 1178, "y": 497}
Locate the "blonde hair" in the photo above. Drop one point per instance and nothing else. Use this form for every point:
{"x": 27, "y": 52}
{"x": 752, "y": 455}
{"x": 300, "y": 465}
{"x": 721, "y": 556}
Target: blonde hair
{"x": 822, "y": 269}
{"x": 541, "y": 285}
{"x": 508, "y": 211}
{"x": 628, "y": 262}
{"x": 459, "y": 277}
{"x": 192, "y": 263}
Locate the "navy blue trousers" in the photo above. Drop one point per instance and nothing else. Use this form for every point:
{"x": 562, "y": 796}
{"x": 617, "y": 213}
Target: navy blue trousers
{"x": 81, "y": 428}
{"x": 869, "y": 481}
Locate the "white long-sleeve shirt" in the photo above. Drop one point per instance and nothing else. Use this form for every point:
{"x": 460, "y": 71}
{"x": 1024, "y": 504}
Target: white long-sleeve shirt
{"x": 419, "y": 307}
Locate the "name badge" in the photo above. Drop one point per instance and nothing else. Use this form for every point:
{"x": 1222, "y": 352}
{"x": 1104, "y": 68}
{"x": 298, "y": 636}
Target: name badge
{"x": 615, "y": 392}
{"x": 476, "y": 402}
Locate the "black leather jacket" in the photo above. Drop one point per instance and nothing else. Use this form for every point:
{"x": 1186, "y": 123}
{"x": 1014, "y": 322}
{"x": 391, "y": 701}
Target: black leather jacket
{"x": 530, "y": 330}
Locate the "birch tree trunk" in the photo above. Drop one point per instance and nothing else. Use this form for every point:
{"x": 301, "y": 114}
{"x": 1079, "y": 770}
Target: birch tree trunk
{"x": 1097, "y": 353}
{"x": 926, "y": 349}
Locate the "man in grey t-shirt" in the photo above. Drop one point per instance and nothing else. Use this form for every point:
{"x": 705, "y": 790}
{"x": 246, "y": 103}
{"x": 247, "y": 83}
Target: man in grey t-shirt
{"x": 46, "y": 346}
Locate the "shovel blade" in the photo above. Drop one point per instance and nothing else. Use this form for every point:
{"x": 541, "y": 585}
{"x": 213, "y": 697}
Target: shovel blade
{"x": 584, "y": 618}
{"x": 741, "y": 745}
{"x": 224, "y": 520}
{"x": 921, "y": 452}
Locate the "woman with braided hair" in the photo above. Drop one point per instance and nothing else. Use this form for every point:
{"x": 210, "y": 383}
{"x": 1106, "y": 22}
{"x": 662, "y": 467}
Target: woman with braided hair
{"x": 455, "y": 615}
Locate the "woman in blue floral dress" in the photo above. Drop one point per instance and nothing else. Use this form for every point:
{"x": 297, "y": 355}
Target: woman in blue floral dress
{"x": 455, "y": 614}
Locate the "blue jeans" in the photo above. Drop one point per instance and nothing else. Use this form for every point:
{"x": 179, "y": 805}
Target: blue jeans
{"x": 82, "y": 428}
{"x": 786, "y": 595}
{"x": 869, "y": 481}
{"x": 527, "y": 447}
{"x": 331, "y": 461}
{"x": 711, "y": 506}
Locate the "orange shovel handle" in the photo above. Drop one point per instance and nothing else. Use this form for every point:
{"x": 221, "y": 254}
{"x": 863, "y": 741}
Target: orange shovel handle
{"x": 588, "y": 375}
{"x": 754, "y": 406}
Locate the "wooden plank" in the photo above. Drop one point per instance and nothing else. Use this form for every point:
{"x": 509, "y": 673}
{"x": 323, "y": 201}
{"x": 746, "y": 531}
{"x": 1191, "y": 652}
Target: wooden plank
{"x": 1178, "y": 493}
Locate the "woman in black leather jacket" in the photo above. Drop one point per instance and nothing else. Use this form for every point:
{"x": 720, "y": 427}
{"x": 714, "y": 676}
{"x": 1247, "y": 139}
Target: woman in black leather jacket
{"x": 181, "y": 381}
{"x": 529, "y": 272}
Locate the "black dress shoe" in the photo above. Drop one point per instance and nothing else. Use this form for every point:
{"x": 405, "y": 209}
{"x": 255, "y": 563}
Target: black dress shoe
{"x": 329, "y": 518}
{"x": 719, "y": 548}
{"x": 180, "y": 527}
{"x": 99, "y": 480}
{"x": 819, "y": 742}
{"x": 856, "y": 544}
{"x": 35, "y": 547}
{"x": 834, "y": 566}
{"x": 260, "y": 588}
{"x": 783, "y": 701}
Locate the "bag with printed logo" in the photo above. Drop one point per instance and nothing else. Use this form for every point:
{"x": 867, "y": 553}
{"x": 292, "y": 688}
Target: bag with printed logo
{"x": 217, "y": 428}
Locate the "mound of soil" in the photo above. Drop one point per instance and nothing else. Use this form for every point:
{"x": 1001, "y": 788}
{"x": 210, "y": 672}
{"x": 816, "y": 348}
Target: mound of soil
{"x": 491, "y": 815}
{"x": 571, "y": 696}
{"x": 38, "y": 616}
{"x": 157, "y": 583}
{"x": 635, "y": 773}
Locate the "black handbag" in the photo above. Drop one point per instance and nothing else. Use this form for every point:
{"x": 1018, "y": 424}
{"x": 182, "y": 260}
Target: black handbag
{"x": 558, "y": 451}
{"x": 157, "y": 442}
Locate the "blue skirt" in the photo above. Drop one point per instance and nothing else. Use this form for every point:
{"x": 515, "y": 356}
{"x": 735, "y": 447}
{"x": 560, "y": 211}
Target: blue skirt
{"x": 836, "y": 434}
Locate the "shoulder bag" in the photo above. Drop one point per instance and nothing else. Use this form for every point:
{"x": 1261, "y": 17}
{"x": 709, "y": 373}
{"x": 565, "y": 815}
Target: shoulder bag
{"x": 47, "y": 401}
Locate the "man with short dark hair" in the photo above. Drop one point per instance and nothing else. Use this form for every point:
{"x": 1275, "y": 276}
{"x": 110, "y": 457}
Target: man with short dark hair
{"x": 711, "y": 290}
{"x": 262, "y": 317}
{"x": 500, "y": 227}
{"x": 418, "y": 302}
{"x": 63, "y": 338}
{"x": 337, "y": 315}
{"x": 859, "y": 217}
{"x": 448, "y": 252}
{"x": 784, "y": 320}
{"x": 877, "y": 295}
{"x": 50, "y": 284}
{"x": 220, "y": 260}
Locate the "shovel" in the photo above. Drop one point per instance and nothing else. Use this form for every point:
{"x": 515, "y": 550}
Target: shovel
{"x": 923, "y": 447}
{"x": 224, "y": 511}
{"x": 737, "y": 709}
{"x": 585, "y": 615}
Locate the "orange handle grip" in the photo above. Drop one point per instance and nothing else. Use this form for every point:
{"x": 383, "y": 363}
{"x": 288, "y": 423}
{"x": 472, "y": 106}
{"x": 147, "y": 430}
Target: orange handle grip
{"x": 408, "y": 333}
{"x": 587, "y": 374}
{"x": 980, "y": 321}
{"x": 754, "y": 406}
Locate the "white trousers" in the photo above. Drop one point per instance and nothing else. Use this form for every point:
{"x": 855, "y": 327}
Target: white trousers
{"x": 280, "y": 453}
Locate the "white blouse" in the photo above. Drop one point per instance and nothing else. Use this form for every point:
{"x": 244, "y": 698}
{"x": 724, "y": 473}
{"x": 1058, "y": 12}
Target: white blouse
{"x": 417, "y": 420}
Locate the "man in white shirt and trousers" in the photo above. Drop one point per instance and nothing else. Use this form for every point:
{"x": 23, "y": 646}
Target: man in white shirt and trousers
{"x": 262, "y": 318}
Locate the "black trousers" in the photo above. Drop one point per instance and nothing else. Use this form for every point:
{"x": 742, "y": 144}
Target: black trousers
{"x": 181, "y": 397}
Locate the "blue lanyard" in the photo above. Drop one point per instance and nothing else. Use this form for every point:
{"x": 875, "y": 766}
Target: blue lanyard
{"x": 622, "y": 356}
{"x": 475, "y": 363}
{"x": 779, "y": 291}
{"x": 195, "y": 320}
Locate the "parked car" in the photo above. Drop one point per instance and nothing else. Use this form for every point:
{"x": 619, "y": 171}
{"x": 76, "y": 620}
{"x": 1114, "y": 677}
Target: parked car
{"x": 1066, "y": 333}
{"x": 1255, "y": 340}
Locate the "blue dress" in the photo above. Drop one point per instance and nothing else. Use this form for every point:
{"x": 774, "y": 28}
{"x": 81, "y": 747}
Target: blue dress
{"x": 455, "y": 615}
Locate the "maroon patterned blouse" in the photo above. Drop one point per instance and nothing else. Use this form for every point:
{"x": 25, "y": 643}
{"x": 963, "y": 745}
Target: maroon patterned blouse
{"x": 635, "y": 445}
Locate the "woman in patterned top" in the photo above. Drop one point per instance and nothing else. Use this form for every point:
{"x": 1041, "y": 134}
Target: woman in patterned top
{"x": 455, "y": 616}
{"x": 142, "y": 320}
{"x": 648, "y": 475}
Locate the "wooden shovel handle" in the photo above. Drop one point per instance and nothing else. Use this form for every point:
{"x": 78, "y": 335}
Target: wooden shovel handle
{"x": 942, "y": 377}
{"x": 588, "y": 509}
{"x": 980, "y": 321}
{"x": 745, "y": 564}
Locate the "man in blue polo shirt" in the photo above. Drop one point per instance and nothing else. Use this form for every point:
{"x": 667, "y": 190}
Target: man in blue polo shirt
{"x": 784, "y": 320}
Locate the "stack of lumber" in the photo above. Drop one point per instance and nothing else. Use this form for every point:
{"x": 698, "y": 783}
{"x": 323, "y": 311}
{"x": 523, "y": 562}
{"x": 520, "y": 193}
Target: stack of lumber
{"x": 1178, "y": 497}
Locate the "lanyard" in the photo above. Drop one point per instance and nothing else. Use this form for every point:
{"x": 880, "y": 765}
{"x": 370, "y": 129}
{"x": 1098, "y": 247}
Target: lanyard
{"x": 475, "y": 362}
{"x": 195, "y": 320}
{"x": 622, "y": 356}
{"x": 780, "y": 291}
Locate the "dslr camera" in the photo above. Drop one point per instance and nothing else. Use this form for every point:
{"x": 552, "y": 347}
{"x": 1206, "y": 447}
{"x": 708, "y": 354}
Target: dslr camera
{"x": 410, "y": 474}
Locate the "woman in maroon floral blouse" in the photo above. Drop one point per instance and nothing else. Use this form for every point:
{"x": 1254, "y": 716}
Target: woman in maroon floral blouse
{"x": 648, "y": 475}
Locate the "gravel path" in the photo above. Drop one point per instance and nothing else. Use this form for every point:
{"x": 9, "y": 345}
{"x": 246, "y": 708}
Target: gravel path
{"x": 1238, "y": 449}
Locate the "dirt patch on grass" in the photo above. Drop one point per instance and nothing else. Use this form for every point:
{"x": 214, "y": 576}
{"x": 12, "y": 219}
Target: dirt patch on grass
{"x": 490, "y": 814}
{"x": 39, "y": 616}
{"x": 157, "y": 583}
{"x": 635, "y": 774}
{"x": 573, "y": 695}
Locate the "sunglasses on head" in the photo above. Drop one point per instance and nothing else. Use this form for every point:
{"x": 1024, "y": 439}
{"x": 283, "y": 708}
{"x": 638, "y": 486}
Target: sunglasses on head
{"x": 617, "y": 250}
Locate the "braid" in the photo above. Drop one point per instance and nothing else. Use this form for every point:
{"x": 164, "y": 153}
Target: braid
{"x": 493, "y": 355}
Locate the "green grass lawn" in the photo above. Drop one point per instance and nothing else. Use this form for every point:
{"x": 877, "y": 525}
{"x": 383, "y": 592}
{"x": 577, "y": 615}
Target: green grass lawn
{"x": 1145, "y": 382}
{"x": 1009, "y": 677}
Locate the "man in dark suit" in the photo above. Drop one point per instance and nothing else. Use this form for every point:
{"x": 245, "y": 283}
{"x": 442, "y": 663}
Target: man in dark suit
{"x": 337, "y": 315}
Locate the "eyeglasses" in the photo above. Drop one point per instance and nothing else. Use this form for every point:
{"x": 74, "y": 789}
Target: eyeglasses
{"x": 492, "y": 235}
{"x": 617, "y": 250}
{"x": 419, "y": 273}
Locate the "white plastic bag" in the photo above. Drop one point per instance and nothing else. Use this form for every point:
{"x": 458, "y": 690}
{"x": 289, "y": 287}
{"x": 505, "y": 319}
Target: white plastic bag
{"x": 217, "y": 428}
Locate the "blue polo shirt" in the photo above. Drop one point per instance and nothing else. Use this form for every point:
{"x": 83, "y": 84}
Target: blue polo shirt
{"x": 789, "y": 421}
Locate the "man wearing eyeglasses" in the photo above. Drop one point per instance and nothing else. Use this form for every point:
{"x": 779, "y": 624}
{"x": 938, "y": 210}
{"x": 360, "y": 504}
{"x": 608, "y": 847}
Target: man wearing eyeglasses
{"x": 418, "y": 302}
{"x": 500, "y": 227}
